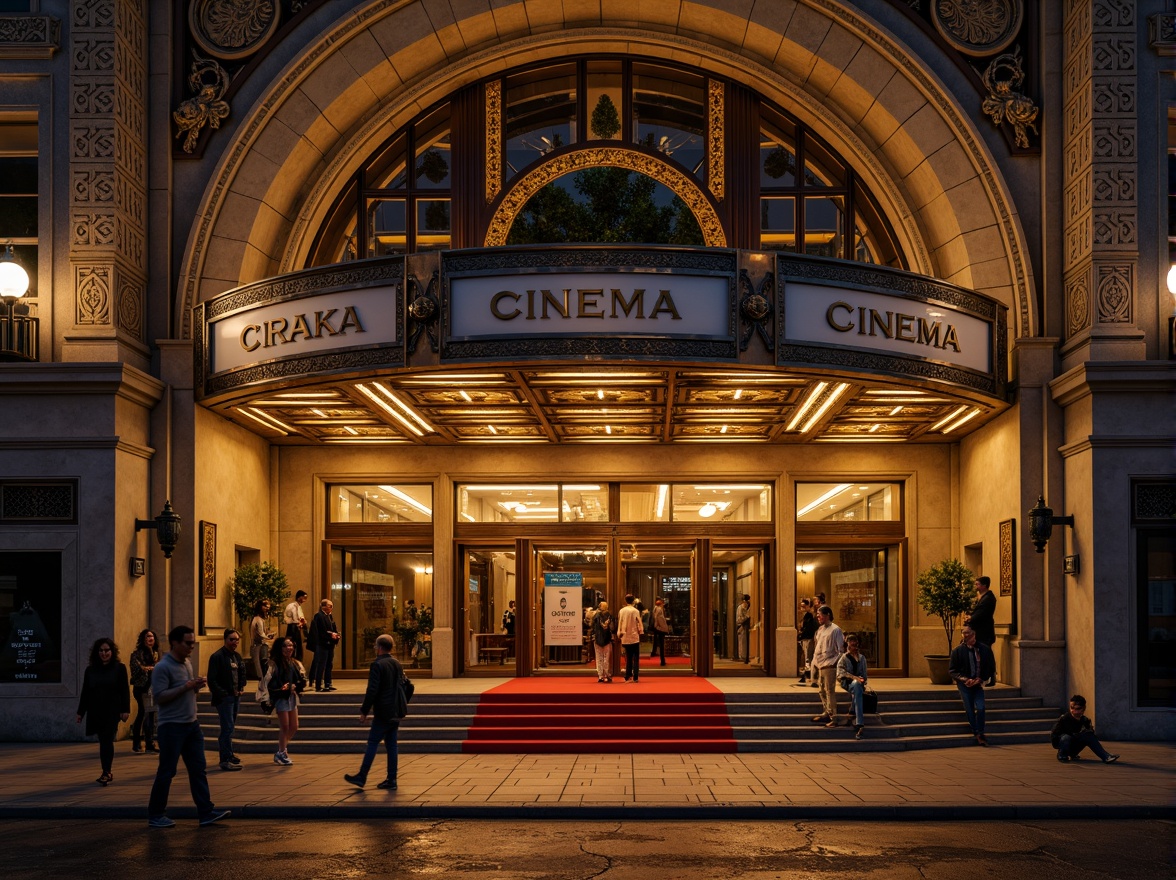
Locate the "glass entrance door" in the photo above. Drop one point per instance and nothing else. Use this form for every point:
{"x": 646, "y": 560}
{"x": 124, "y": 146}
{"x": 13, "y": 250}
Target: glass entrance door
{"x": 861, "y": 585}
{"x": 490, "y": 609}
{"x": 739, "y": 608}
{"x": 665, "y": 573}
{"x": 379, "y": 590}
{"x": 569, "y": 578}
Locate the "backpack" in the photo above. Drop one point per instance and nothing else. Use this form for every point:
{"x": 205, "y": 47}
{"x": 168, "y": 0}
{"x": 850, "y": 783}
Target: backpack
{"x": 404, "y": 691}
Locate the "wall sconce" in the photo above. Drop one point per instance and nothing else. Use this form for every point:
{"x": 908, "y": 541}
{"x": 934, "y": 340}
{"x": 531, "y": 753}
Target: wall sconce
{"x": 1042, "y": 521}
{"x": 167, "y": 528}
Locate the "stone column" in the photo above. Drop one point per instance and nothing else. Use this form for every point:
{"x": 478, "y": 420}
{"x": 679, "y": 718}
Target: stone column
{"x": 1100, "y": 175}
{"x": 107, "y": 182}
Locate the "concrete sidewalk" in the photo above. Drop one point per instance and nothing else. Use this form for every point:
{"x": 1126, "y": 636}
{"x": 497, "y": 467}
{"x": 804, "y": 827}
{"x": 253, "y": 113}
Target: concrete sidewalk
{"x": 1011, "y": 782}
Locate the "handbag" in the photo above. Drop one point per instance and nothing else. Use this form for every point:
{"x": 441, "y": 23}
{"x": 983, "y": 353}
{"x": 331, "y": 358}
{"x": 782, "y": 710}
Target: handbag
{"x": 149, "y": 706}
{"x": 870, "y": 701}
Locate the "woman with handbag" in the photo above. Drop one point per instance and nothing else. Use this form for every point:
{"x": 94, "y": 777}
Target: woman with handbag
{"x": 287, "y": 679}
{"x": 105, "y": 701}
{"x": 260, "y": 638}
{"x": 143, "y": 660}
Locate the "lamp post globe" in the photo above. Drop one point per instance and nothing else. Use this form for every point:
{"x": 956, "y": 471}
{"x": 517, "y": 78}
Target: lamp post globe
{"x": 14, "y": 280}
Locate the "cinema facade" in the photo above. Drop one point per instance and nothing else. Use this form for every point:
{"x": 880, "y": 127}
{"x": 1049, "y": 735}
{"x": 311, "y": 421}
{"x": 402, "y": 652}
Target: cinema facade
{"x": 439, "y": 306}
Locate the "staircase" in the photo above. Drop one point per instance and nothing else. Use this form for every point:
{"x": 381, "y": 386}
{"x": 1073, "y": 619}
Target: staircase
{"x": 737, "y": 722}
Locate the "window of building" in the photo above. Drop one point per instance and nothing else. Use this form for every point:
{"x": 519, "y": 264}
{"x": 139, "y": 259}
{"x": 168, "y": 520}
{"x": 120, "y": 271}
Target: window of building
{"x": 696, "y": 502}
{"x": 404, "y": 199}
{"x": 848, "y": 502}
{"x": 384, "y": 503}
{"x": 1153, "y": 509}
{"x": 19, "y": 193}
{"x": 532, "y": 502}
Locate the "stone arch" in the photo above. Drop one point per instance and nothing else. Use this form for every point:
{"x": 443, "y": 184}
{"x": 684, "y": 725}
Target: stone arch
{"x": 381, "y": 64}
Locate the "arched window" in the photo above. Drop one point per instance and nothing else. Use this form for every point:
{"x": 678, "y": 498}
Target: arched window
{"x": 604, "y": 150}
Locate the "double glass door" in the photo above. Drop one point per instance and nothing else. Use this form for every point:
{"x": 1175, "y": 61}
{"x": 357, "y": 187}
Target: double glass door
{"x": 557, "y": 586}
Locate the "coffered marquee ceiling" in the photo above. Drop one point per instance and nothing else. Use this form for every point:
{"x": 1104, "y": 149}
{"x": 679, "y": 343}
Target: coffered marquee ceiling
{"x": 567, "y": 404}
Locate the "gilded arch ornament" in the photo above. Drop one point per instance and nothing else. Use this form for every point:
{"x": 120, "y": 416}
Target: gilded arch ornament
{"x": 676, "y": 181}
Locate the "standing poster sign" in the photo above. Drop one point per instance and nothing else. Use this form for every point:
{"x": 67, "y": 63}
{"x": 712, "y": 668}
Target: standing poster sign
{"x": 561, "y": 607}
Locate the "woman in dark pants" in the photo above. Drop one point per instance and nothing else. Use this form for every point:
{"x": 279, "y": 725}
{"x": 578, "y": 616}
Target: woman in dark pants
{"x": 106, "y": 700}
{"x": 143, "y": 660}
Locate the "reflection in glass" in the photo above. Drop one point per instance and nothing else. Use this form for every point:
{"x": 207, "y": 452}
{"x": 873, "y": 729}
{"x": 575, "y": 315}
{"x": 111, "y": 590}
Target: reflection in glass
{"x": 489, "y": 577}
{"x": 379, "y": 591}
{"x": 669, "y": 114}
{"x": 433, "y": 159}
{"x": 539, "y": 115}
{"x": 605, "y": 100}
{"x": 605, "y": 205}
{"x": 379, "y": 504}
{"x": 387, "y": 227}
{"x": 778, "y": 223}
{"x": 823, "y": 218}
{"x": 432, "y": 224}
{"x": 777, "y": 154}
{"x": 860, "y": 585}
{"x": 847, "y": 502}
{"x": 719, "y": 502}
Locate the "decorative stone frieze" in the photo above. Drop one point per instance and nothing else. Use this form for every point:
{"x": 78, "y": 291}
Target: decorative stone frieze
{"x": 1161, "y": 33}
{"x": 978, "y": 27}
{"x": 29, "y": 36}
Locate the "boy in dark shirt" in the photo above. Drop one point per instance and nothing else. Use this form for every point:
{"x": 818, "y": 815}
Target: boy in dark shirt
{"x": 1073, "y": 732}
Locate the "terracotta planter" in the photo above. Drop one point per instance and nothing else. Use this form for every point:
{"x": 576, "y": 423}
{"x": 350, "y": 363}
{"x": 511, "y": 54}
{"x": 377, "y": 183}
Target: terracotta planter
{"x": 937, "y": 665}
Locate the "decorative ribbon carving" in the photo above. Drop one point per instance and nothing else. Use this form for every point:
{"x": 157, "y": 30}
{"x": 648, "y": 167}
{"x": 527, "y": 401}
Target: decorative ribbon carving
{"x": 1004, "y": 103}
{"x": 208, "y": 82}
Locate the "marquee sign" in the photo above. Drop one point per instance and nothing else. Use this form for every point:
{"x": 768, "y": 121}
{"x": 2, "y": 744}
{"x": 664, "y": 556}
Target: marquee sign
{"x": 599, "y": 303}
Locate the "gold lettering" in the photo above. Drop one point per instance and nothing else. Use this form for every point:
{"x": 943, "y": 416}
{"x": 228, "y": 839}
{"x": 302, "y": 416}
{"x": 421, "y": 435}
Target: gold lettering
{"x": 301, "y": 328}
{"x": 587, "y": 306}
{"x": 876, "y": 323}
{"x": 245, "y": 343}
{"x": 496, "y": 300}
{"x": 665, "y": 303}
{"x": 928, "y": 333}
{"x": 906, "y": 328}
{"x": 530, "y": 305}
{"x": 839, "y": 306}
{"x": 322, "y": 321}
{"x": 861, "y": 320}
{"x": 275, "y": 332}
{"x": 636, "y": 301}
{"x": 551, "y": 299}
{"x": 950, "y": 338}
{"x": 350, "y": 320}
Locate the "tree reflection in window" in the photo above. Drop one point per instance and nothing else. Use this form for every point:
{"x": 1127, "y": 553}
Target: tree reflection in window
{"x": 605, "y": 205}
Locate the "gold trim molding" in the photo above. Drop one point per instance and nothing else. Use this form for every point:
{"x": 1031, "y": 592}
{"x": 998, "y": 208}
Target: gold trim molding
{"x": 716, "y": 138}
{"x": 493, "y": 139}
{"x": 612, "y": 157}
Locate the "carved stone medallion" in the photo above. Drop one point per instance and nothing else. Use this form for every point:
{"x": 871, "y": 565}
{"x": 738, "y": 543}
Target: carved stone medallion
{"x": 233, "y": 29}
{"x": 978, "y": 27}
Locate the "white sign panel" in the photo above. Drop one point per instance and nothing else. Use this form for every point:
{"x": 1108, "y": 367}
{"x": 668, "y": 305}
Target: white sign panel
{"x": 342, "y": 319}
{"x": 561, "y": 616}
{"x": 589, "y": 303}
{"x": 891, "y": 324}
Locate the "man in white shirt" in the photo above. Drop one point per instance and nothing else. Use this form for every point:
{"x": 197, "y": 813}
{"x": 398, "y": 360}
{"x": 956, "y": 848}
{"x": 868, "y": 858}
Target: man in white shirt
{"x": 630, "y": 630}
{"x": 295, "y": 622}
{"x": 743, "y": 629}
{"x": 828, "y": 647}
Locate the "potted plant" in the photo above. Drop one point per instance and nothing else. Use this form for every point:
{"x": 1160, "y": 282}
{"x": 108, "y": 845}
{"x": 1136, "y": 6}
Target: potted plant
{"x": 253, "y": 582}
{"x": 945, "y": 591}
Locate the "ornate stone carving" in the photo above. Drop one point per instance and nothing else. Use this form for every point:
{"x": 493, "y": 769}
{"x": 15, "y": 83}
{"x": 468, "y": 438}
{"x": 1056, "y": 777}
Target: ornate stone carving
{"x": 716, "y": 157}
{"x": 493, "y": 140}
{"x": 92, "y": 284}
{"x": 423, "y": 311}
{"x": 233, "y": 29}
{"x": 1004, "y": 103}
{"x": 978, "y": 27}
{"x": 209, "y": 82}
{"x": 1113, "y": 293}
{"x": 130, "y": 309}
{"x": 1077, "y": 305}
{"x": 755, "y": 307}
{"x": 1161, "y": 33}
{"x": 29, "y": 36}
{"x": 614, "y": 157}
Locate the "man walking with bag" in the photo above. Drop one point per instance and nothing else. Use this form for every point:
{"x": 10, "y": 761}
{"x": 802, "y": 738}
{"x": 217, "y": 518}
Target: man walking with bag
{"x": 386, "y": 700}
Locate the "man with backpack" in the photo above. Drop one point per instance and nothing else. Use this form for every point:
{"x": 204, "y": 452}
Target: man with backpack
{"x": 387, "y": 701}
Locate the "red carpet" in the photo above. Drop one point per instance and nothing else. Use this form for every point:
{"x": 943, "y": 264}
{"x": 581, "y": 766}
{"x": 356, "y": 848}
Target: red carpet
{"x": 570, "y": 715}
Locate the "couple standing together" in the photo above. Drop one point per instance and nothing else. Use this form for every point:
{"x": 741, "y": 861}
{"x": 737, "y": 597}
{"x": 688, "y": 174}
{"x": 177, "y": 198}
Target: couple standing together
{"x": 627, "y": 625}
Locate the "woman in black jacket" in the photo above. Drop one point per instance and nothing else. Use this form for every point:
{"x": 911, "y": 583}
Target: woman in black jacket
{"x": 286, "y": 680}
{"x": 143, "y": 660}
{"x": 105, "y": 701}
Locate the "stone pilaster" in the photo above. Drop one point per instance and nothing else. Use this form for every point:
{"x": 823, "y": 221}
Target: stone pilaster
{"x": 1100, "y": 177}
{"x": 107, "y": 181}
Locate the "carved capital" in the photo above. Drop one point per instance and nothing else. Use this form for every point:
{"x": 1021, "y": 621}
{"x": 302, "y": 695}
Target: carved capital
{"x": 29, "y": 36}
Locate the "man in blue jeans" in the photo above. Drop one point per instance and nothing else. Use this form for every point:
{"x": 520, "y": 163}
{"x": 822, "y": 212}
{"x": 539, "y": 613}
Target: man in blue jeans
{"x": 178, "y": 734}
{"x": 1073, "y": 732}
{"x": 385, "y": 698}
{"x": 970, "y": 666}
{"x": 226, "y": 683}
